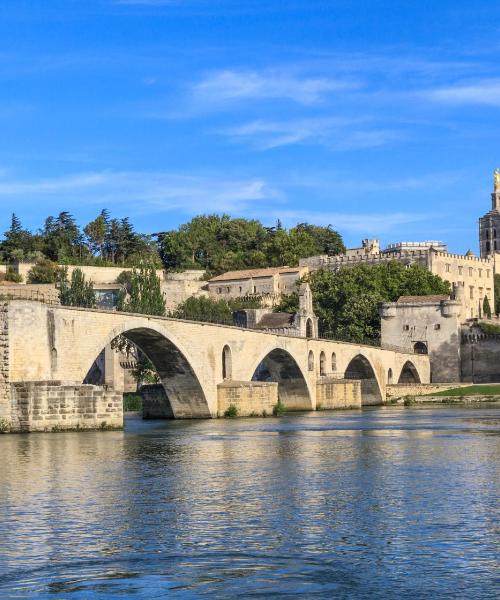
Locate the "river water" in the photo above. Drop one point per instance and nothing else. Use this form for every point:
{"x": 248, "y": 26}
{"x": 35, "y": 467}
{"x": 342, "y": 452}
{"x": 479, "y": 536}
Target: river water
{"x": 381, "y": 503}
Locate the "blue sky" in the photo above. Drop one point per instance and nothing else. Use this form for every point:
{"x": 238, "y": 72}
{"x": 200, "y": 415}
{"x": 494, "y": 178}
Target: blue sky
{"x": 381, "y": 118}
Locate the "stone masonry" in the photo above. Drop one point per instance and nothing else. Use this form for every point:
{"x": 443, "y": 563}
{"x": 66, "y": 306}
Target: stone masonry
{"x": 249, "y": 397}
{"x": 53, "y": 343}
{"x": 52, "y": 406}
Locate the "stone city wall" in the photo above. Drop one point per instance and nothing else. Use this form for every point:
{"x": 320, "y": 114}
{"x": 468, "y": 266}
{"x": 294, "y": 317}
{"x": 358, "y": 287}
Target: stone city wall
{"x": 249, "y": 397}
{"x": 338, "y": 393}
{"x": 419, "y": 389}
{"x": 53, "y": 406}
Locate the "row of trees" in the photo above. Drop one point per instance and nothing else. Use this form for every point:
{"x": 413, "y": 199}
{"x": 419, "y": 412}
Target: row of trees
{"x": 218, "y": 243}
{"x": 215, "y": 243}
{"x": 104, "y": 240}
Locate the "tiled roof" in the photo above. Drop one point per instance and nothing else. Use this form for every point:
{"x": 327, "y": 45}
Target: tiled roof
{"x": 275, "y": 321}
{"x": 248, "y": 273}
{"x": 422, "y": 299}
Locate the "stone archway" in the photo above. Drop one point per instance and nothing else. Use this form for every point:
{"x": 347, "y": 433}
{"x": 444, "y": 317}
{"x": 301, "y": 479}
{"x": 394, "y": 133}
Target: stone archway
{"x": 182, "y": 386}
{"x": 409, "y": 373}
{"x": 280, "y": 366}
{"x": 360, "y": 368}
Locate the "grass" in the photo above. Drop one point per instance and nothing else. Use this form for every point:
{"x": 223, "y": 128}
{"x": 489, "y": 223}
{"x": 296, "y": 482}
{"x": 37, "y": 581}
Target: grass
{"x": 279, "y": 409}
{"x": 472, "y": 390}
{"x": 231, "y": 412}
{"x": 132, "y": 402}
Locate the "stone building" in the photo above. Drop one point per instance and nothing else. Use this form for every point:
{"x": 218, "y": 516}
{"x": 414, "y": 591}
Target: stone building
{"x": 476, "y": 275}
{"x": 303, "y": 323}
{"x": 427, "y": 325}
{"x": 489, "y": 224}
{"x": 266, "y": 284}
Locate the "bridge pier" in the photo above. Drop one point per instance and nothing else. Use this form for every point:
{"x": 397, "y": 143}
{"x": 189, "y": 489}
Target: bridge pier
{"x": 194, "y": 361}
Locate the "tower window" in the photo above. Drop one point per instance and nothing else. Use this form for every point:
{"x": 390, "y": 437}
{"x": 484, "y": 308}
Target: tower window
{"x": 488, "y": 247}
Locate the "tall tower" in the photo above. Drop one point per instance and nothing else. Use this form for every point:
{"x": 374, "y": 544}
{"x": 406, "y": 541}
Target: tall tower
{"x": 489, "y": 225}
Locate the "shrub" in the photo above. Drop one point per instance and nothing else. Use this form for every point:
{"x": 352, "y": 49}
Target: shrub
{"x": 409, "y": 400}
{"x": 44, "y": 271}
{"x": 279, "y": 409}
{"x": 13, "y": 275}
{"x": 132, "y": 402}
{"x": 231, "y": 411}
{"x": 4, "y": 426}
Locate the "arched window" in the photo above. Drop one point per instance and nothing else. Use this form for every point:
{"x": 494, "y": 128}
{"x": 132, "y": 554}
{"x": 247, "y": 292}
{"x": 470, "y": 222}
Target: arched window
{"x": 227, "y": 366}
{"x": 310, "y": 361}
{"x": 334, "y": 362}
{"x": 389, "y": 376}
{"x": 309, "y": 328}
{"x": 420, "y": 348}
{"x": 322, "y": 364}
{"x": 488, "y": 246}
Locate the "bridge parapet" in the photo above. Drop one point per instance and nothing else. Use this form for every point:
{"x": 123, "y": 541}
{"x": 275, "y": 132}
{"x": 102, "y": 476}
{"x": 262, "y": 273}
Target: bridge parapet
{"x": 47, "y": 343}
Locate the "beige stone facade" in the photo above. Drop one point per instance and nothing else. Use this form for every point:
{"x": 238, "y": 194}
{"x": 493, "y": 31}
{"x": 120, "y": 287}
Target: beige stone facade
{"x": 250, "y": 398}
{"x": 332, "y": 393}
{"x": 269, "y": 284}
{"x": 52, "y": 343}
{"x": 476, "y": 275}
{"x": 426, "y": 324}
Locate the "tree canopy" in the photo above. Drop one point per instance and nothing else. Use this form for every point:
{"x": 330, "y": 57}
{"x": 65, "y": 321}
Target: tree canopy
{"x": 215, "y": 243}
{"x": 144, "y": 295}
{"x": 77, "y": 292}
{"x": 346, "y": 301}
{"x": 218, "y": 243}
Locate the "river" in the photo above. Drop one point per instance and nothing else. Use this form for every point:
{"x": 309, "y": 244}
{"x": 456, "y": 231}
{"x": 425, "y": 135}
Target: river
{"x": 386, "y": 502}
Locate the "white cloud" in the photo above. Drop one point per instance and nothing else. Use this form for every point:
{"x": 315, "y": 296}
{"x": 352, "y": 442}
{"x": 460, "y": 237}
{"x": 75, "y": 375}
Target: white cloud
{"x": 336, "y": 133}
{"x": 226, "y": 86}
{"x": 143, "y": 192}
{"x": 485, "y": 92}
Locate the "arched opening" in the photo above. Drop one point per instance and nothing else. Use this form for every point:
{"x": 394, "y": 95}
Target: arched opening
{"x": 183, "y": 394}
{"x": 420, "y": 348}
{"x": 488, "y": 246}
{"x": 334, "y": 362}
{"x": 409, "y": 373}
{"x": 322, "y": 364}
{"x": 309, "y": 328}
{"x": 360, "y": 368}
{"x": 279, "y": 366}
{"x": 389, "y": 377}
{"x": 310, "y": 361}
{"x": 227, "y": 365}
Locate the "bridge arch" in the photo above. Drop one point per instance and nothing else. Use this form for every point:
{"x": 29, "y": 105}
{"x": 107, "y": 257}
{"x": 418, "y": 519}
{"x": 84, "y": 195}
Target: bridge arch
{"x": 360, "y": 368}
{"x": 409, "y": 373}
{"x": 176, "y": 372}
{"x": 279, "y": 366}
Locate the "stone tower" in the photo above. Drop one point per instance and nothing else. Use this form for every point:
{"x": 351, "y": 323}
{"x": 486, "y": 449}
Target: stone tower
{"x": 489, "y": 225}
{"x": 305, "y": 319}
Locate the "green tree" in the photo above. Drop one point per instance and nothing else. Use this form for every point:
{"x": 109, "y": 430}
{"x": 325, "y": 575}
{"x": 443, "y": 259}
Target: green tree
{"x": 96, "y": 232}
{"x": 346, "y": 301}
{"x": 62, "y": 239}
{"x": 77, "y": 293}
{"x": 17, "y": 241}
{"x": 486, "y": 308}
{"x": 218, "y": 243}
{"x": 45, "y": 271}
{"x": 145, "y": 294}
{"x": 204, "y": 309}
{"x": 497, "y": 294}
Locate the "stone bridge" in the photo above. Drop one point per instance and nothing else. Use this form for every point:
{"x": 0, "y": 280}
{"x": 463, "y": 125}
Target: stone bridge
{"x": 44, "y": 344}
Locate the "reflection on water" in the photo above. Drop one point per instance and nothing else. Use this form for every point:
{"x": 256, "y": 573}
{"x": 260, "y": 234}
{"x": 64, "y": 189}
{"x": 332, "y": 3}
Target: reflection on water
{"x": 382, "y": 503}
